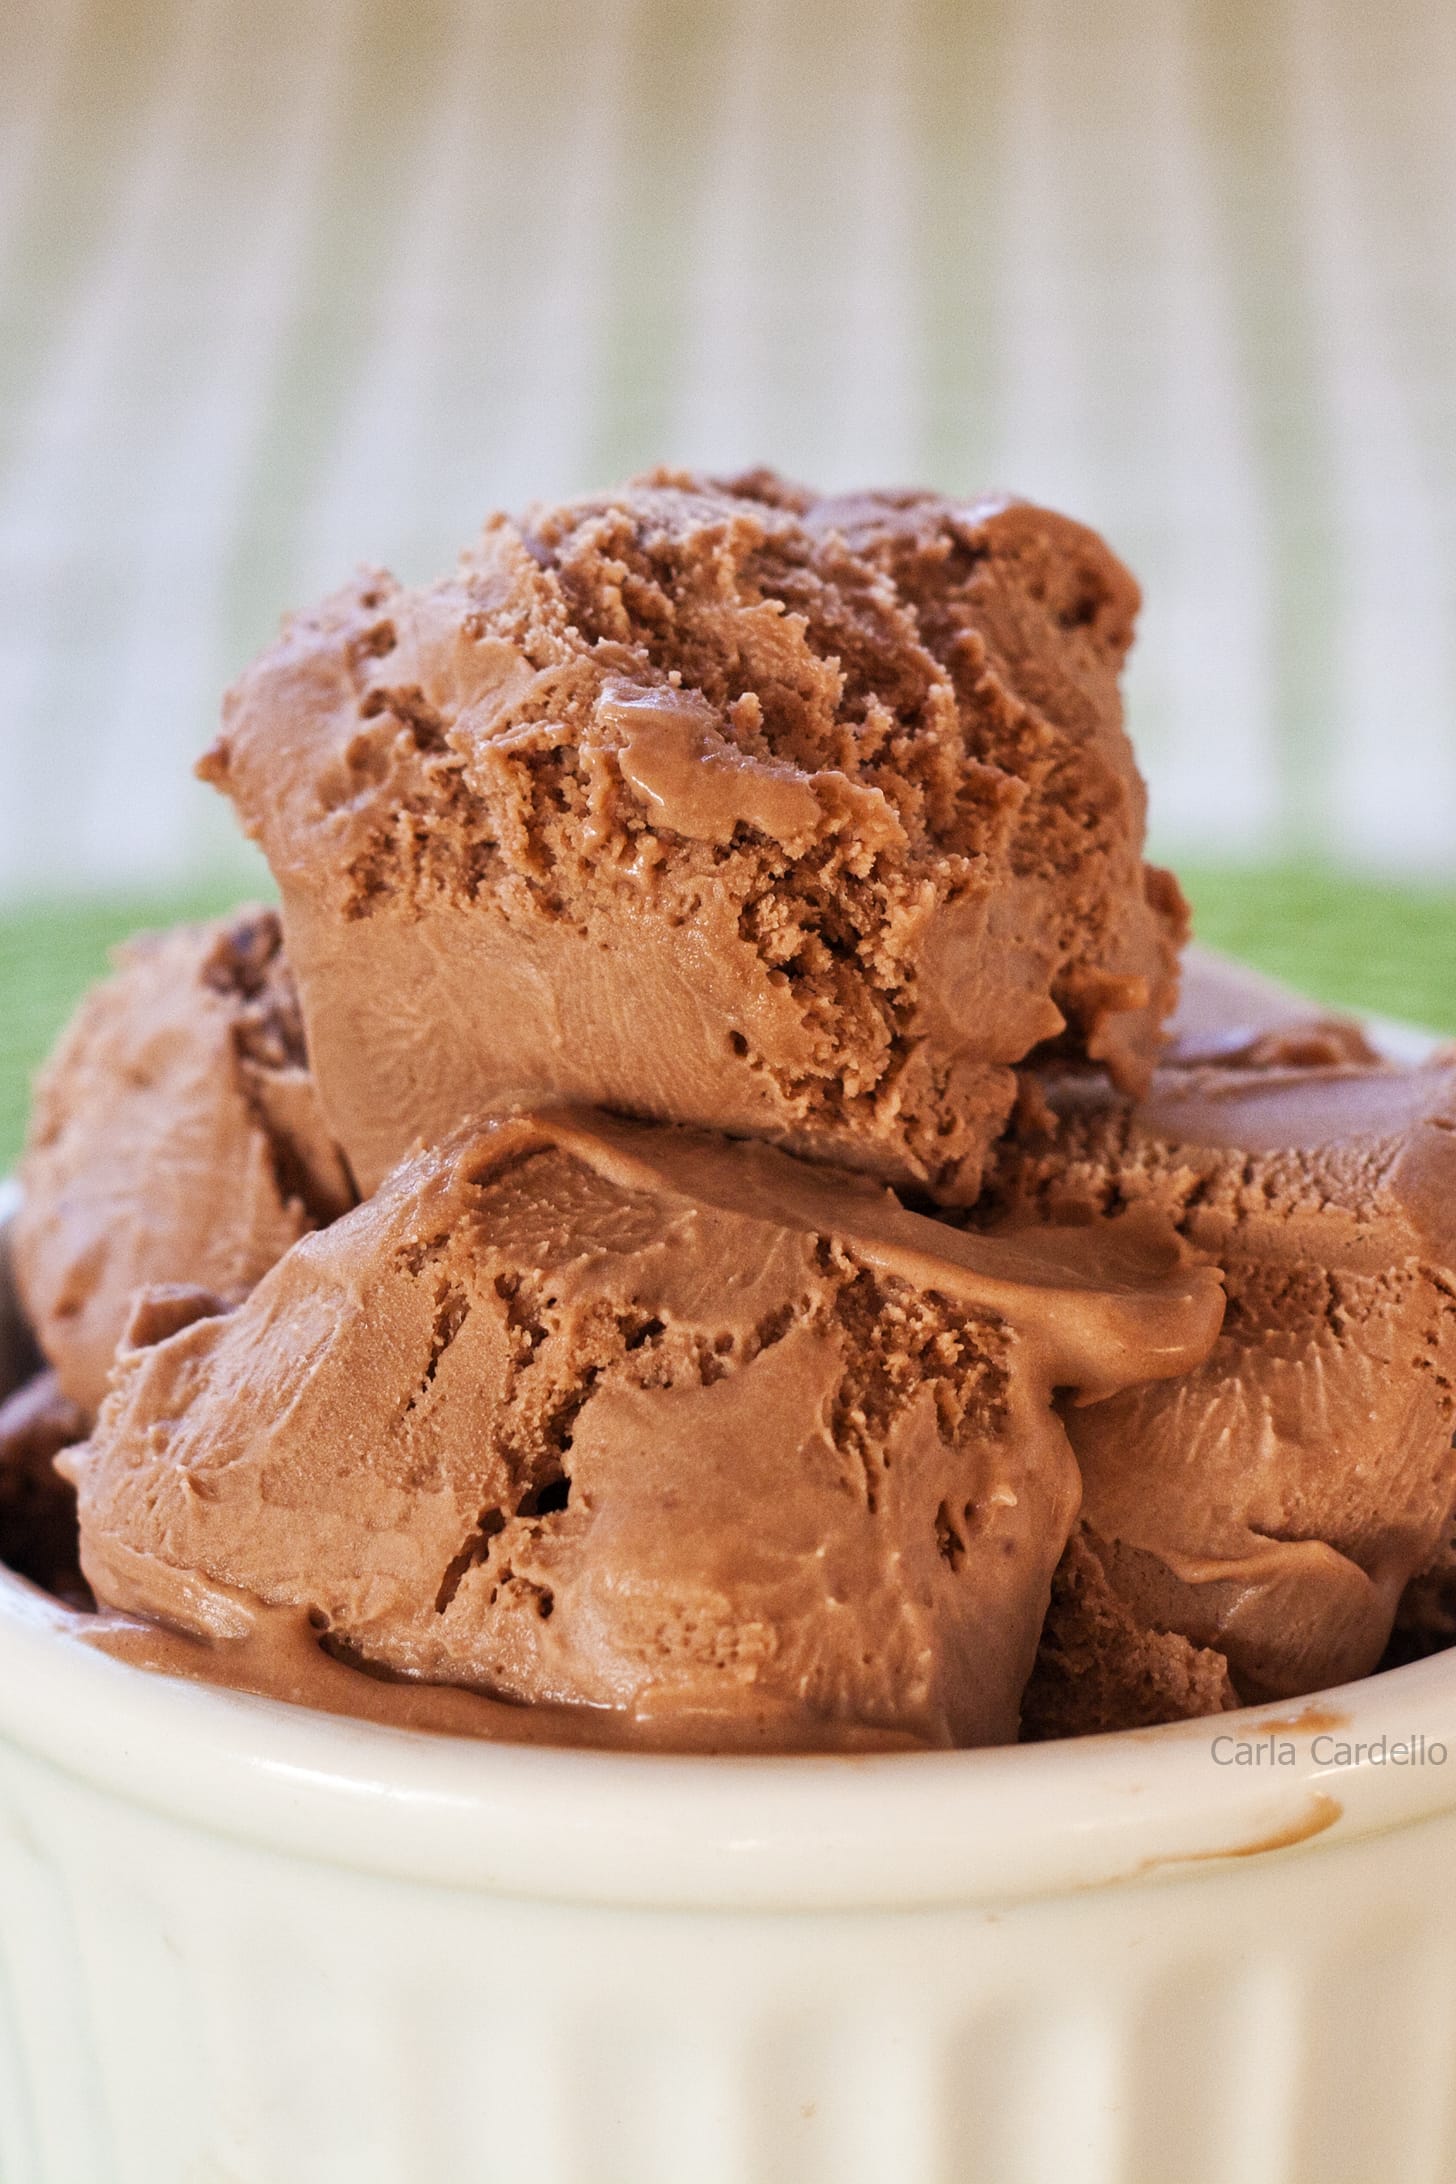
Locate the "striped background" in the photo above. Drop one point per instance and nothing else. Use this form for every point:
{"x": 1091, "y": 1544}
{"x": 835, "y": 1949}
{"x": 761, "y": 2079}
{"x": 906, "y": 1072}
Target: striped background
{"x": 285, "y": 284}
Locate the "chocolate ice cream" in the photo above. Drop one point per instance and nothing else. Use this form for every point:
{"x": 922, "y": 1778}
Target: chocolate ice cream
{"x": 37, "y": 1506}
{"x": 1271, "y": 1505}
{"x": 802, "y": 819}
{"x": 175, "y": 1138}
{"x": 1102, "y": 1665}
{"x": 1240, "y": 1019}
{"x": 638, "y": 1420}
{"x": 1425, "y": 1621}
{"x": 692, "y": 866}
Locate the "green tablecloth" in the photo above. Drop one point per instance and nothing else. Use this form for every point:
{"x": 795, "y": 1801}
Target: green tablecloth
{"x": 1390, "y": 949}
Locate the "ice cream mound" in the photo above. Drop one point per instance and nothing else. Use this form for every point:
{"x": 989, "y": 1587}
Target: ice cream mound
{"x": 721, "y": 804}
{"x": 786, "y": 1308}
{"x": 1260, "y": 1517}
{"x": 175, "y": 1137}
{"x": 580, "y": 1412}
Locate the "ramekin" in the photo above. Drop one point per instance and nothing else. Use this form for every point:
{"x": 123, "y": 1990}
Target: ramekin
{"x": 242, "y": 1943}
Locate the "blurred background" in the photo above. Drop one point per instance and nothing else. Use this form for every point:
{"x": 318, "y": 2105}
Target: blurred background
{"x": 296, "y": 284}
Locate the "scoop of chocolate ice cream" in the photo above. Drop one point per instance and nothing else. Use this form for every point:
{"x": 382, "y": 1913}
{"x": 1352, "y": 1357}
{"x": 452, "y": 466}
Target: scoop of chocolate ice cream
{"x": 1273, "y": 1503}
{"x": 579, "y": 1412}
{"x": 1238, "y": 1018}
{"x": 175, "y": 1137}
{"x": 802, "y": 819}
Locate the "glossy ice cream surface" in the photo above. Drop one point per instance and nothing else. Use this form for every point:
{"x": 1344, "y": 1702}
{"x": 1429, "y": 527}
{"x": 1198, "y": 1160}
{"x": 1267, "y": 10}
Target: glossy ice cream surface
{"x": 1233, "y": 1017}
{"x": 1263, "y": 1514}
{"x": 640, "y": 1420}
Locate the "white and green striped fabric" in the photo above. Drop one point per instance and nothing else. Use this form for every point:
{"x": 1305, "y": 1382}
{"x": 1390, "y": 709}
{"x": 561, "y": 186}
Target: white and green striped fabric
{"x": 295, "y": 283}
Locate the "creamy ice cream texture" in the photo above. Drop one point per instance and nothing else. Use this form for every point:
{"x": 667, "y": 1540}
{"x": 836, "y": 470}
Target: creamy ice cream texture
{"x": 1260, "y": 1517}
{"x": 1238, "y": 1018}
{"x": 175, "y": 1137}
{"x": 573, "y": 1411}
{"x": 810, "y": 823}
{"x": 722, "y": 804}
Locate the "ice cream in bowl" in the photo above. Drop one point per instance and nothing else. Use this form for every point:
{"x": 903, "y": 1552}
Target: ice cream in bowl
{"x": 693, "y": 1486}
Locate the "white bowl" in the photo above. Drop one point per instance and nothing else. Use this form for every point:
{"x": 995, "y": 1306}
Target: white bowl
{"x": 241, "y": 1943}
